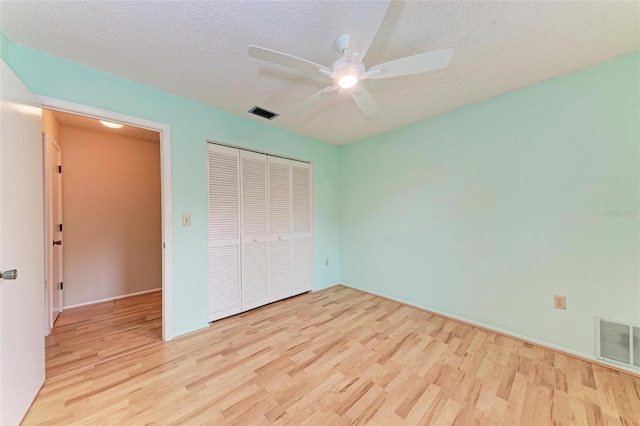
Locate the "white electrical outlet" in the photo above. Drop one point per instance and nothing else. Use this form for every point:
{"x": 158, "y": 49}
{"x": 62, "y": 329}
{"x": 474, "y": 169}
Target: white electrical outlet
{"x": 559, "y": 302}
{"x": 186, "y": 220}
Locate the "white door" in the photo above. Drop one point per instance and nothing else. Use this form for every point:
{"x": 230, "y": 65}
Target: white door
{"x": 54, "y": 228}
{"x": 57, "y": 230}
{"x": 302, "y": 250}
{"x": 224, "y": 231}
{"x": 253, "y": 190}
{"x": 279, "y": 228}
{"x": 22, "y": 300}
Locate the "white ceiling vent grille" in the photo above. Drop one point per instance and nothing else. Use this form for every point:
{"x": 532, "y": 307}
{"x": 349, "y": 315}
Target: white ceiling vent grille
{"x": 618, "y": 342}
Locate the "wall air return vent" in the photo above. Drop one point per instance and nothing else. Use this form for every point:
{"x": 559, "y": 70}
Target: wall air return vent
{"x": 261, "y": 112}
{"x": 618, "y": 342}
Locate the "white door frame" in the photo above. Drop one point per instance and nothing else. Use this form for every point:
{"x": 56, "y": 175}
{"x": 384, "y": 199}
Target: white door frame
{"x": 165, "y": 184}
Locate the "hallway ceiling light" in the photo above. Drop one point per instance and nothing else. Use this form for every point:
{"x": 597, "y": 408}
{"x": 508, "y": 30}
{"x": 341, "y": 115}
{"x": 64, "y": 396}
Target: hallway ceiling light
{"x": 110, "y": 124}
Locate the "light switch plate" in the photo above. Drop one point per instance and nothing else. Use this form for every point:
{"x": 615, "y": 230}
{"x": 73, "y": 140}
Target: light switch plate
{"x": 186, "y": 220}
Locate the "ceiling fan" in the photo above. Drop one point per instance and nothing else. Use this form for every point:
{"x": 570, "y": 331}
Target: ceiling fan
{"x": 348, "y": 71}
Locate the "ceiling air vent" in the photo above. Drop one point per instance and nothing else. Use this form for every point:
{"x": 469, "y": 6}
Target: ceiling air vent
{"x": 618, "y": 342}
{"x": 261, "y": 112}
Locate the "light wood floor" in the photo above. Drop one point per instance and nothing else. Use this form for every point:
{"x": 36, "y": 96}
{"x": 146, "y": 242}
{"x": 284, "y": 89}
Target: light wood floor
{"x": 90, "y": 334}
{"x": 336, "y": 357}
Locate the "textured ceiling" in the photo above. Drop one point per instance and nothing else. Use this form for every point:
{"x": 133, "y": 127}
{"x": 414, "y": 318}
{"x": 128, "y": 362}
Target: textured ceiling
{"x": 198, "y": 49}
{"x": 66, "y": 119}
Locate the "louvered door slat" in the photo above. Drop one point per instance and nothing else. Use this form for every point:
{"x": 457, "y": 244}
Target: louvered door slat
{"x": 254, "y": 230}
{"x": 279, "y": 229}
{"x": 224, "y": 231}
{"x": 302, "y": 251}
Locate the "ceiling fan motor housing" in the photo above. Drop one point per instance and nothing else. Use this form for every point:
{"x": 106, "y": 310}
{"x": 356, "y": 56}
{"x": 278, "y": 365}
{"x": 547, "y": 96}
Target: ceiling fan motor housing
{"x": 342, "y": 42}
{"x": 344, "y": 67}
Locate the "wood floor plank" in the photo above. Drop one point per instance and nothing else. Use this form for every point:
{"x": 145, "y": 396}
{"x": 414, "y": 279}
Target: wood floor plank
{"x": 90, "y": 334}
{"x": 334, "y": 357}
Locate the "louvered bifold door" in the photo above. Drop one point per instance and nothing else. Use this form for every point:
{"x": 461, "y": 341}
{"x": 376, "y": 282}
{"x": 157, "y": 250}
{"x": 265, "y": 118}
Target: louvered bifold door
{"x": 253, "y": 189}
{"x": 279, "y": 229}
{"x": 224, "y": 231}
{"x": 301, "y": 245}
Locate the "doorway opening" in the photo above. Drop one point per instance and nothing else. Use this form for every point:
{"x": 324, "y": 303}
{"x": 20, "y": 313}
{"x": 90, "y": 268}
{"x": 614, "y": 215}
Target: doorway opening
{"x": 104, "y": 240}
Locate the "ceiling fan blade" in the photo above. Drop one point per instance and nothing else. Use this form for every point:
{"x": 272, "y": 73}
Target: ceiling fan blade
{"x": 369, "y": 16}
{"x": 313, "y": 99}
{"x": 415, "y": 64}
{"x": 284, "y": 59}
{"x": 364, "y": 100}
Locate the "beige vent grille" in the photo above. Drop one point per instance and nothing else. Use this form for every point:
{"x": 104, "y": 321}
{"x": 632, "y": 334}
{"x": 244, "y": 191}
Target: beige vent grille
{"x": 618, "y": 342}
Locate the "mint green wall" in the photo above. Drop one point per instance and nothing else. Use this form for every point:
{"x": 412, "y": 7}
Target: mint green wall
{"x": 488, "y": 211}
{"x": 192, "y": 124}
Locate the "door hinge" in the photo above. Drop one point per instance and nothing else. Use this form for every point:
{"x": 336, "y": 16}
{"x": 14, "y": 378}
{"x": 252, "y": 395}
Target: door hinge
{"x": 59, "y": 169}
{"x": 60, "y": 227}
{"x": 61, "y": 285}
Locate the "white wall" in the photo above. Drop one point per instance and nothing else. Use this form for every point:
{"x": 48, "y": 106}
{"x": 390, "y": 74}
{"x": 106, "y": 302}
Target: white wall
{"x": 112, "y": 215}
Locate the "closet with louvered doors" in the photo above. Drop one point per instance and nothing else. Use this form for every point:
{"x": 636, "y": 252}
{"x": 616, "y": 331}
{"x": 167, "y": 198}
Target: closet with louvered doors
{"x": 265, "y": 202}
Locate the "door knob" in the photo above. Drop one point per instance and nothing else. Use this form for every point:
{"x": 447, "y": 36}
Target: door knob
{"x": 57, "y": 243}
{"x": 9, "y": 275}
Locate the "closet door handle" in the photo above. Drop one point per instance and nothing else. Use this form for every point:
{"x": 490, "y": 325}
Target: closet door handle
{"x": 283, "y": 237}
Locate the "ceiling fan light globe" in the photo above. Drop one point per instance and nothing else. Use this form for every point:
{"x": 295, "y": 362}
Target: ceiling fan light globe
{"x": 348, "y": 81}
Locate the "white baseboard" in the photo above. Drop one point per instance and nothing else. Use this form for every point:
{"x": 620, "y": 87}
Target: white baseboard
{"x": 498, "y": 330}
{"x": 110, "y": 299}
